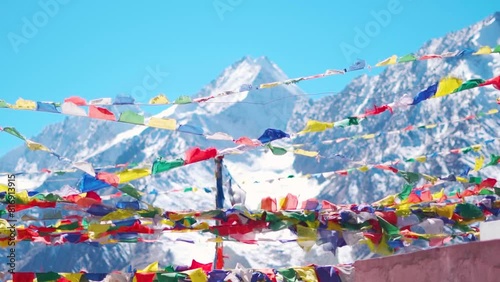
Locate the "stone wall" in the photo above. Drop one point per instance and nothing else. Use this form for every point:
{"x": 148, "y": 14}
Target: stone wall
{"x": 477, "y": 261}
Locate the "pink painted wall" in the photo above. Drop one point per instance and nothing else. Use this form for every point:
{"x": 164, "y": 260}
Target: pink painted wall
{"x": 478, "y": 261}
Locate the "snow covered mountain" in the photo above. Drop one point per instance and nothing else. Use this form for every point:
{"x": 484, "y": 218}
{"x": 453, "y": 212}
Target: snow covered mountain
{"x": 395, "y": 81}
{"x": 104, "y": 143}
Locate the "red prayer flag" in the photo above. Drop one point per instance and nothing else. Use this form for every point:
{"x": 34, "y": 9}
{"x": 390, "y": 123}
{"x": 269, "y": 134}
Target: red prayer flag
{"x": 101, "y": 113}
{"x": 196, "y": 154}
{"x": 76, "y": 100}
{"x": 488, "y": 183}
{"x": 206, "y": 267}
{"x": 328, "y": 206}
{"x": 23, "y": 276}
{"x": 388, "y": 216}
{"x": 268, "y": 204}
{"x": 247, "y": 141}
{"x": 110, "y": 178}
{"x": 495, "y": 82}
{"x": 386, "y": 167}
{"x": 378, "y": 110}
{"x": 290, "y": 202}
{"x": 430, "y": 56}
{"x": 145, "y": 277}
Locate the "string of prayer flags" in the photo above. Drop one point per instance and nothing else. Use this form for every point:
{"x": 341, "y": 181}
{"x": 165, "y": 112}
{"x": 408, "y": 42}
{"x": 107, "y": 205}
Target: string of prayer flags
{"x": 312, "y": 273}
{"x": 161, "y": 99}
{"x": 446, "y": 86}
{"x": 408, "y": 128}
{"x": 308, "y": 224}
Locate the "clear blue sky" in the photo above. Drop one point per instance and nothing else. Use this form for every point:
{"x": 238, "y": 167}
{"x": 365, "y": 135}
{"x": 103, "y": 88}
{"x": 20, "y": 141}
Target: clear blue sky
{"x": 99, "y": 49}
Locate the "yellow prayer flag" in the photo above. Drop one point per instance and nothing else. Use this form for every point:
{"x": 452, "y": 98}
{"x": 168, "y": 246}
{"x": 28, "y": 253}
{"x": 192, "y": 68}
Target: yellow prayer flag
{"x": 96, "y": 229}
{"x": 430, "y": 126}
{"x": 306, "y": 273}
{"x": 202, "y": 226}
{"x": 22, "y": 197}
{"x": 269, "y": 85}
{"x": 389, "y": 61}
{"x": 387, "y": 201}
{"x": 169, "y": 124}
{"x": 485, "y": 50}
{"x": 316, "y": 126}
{"x": 492, "y": 112}
{"x": 197, "y": 275}
{"x": 216, "y": 240}
{"x": 311, "y": 154}
{"x": 363, "y": 168}
{"x": 72, "y": 277}
{"x": 33, "y": 146}
{"x": 479, "y": 163}
{"x": 462, "y": 179}
{"x": 160, "y": 99}
{"x": 3, "y": 188}
{"x": 132, "y": 174}
{"x": 118, "y": 214}
{"x": 447, "y": 85}
{"x": 438, "y": 195}
{"x": 381, "y": 249}
{"x": 421, "y": 159}
{"x": 446, "y": 211}
{"x": 476, "y": 147}
{"x": 333, "y": 226}
{"x": 306, "y": 237}
{"x": 22, "y": 104}
{"x": 167, "y": 222}
{"x": 430, "y": 178}
{"x": 368, "y": 136}
{"x": 153, "y": 267}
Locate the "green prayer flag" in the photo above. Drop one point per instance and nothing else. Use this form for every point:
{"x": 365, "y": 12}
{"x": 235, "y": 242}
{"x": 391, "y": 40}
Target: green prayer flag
{"x": 410, "y": 160}
{"x": 169, "y": 269}
{"x": 278, "y": 151}
{"x": 183, "y": 100}
{"x": 390, "y": 229}
{"x": 466, "y": 150}
{"x": 469, "y": 211}
{"x": 131, "y": 191}
{"x": 485, "y": 191}
{"x": 493, "y": 160}
{"x": 47, "y": 277}
{"x": 161, "y": 165}
{"x": 343, "y": 123}
{"x": 131, "y": 117}
{"x": 471, "y": 83}
{"x": 71, "y": 226}
{"x": 407, "y": 58}
{"x": 475, "y": 179}
{"x": 497, "y": 191}
{"x": 289, "y": 275}
{"x": 280, "y": 225}
{"x": 405, "y": 193}
{"x": 353, "y": 120}
{"x": 410, "y": 177}
{"x": 171, "y": 277}
{"x": 85, "y": 223}
{"x": 3, "y": 104}
{"x": 497, "y": 49}
{"x": 13, "y": 131}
